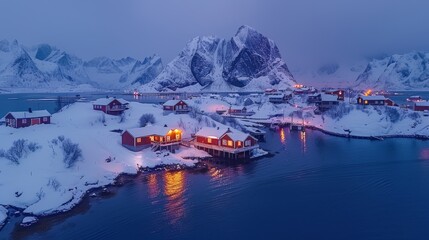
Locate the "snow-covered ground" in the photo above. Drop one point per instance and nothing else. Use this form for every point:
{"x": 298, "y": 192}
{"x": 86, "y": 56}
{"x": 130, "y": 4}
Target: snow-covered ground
{"x": 42, "y": 184}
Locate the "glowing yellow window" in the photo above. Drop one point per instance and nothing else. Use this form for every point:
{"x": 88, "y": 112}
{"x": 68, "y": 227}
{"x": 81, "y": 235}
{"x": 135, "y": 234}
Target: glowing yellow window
{"x": 161, "y": 139}
{"x": 209, "y": 140}
{"x": 177, "y": 136}
{"x": 152, "y": 138}
{"x": 366, "y": 101}
{"x": 238, "y": 143}
{"x": 230, "y": 143}
{"x": 139, "y": 140}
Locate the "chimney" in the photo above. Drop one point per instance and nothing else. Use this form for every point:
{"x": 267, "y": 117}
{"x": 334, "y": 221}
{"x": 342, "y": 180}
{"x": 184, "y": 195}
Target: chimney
{"x": 165, "y": 125}
{"x": 29, "y": 110}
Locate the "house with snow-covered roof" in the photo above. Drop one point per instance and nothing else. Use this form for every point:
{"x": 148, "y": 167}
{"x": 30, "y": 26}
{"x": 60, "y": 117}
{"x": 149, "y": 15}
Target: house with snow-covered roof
{"x": 371, "y": 100}
{"x": 157, "y": 137}
{"x": 421, "y": 106}
{"x": 176, "y": 106}
{"x": 225, "y": 142}
{"x": 27, "y": 118}
{"x": 110, "y": 105}
{"x": 326, "y": 101}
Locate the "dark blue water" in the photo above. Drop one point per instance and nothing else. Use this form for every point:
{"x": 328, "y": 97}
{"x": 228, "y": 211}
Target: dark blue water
{"x": 315, "y": 187}
{"x": 39, "y": 101}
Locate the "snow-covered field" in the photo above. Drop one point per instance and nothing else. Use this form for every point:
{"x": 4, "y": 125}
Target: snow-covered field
{"x": 42, "y": 184}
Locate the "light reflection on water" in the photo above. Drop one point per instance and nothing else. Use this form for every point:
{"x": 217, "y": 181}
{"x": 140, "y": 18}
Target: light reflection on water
{"x": 174, "y": 189}
{"x": 303, "y": 139}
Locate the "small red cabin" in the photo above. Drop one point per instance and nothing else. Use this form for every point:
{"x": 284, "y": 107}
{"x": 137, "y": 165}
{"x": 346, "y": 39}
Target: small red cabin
{"x": 339, "y": 93}
{"x": 390, "y": 102}
{"x": 25, "y": 119}
{"x": 112, "y": 106}
{"x": 137, "y": 139}
{"x": 225, "y": 142}
{"x": 237, "y": 110}
{"x": 371, "y": 100}
{"x": 176, "y": 106}
{"x": 421, "y": 106}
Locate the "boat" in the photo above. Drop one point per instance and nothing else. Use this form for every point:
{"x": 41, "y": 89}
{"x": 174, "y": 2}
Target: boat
{"x": 414, "y": 99}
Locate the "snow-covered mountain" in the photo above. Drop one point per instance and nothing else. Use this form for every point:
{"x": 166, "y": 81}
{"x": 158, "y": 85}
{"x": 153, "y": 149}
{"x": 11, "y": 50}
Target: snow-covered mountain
{"x": 45, "y": 67}
{"x": 249, "y": 61}
{"x": 398, "y": 72}
{"x": 342, "y": 74}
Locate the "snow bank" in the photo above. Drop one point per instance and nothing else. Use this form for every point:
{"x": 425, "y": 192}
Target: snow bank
{"x": 27, "y": 221}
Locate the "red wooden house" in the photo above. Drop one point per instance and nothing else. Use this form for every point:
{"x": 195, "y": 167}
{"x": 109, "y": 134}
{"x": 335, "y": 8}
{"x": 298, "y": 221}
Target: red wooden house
{"x": 371, "y": 100}
{"x": 421, "y": 106}
{"x": 156, "y": 137}
{"x": 176, "y": 106}
{"x": 112, "y": 106}
{"x": 25, "y": 119}
{"x": 338, "y": 92}
{"x": 223, "y": 142}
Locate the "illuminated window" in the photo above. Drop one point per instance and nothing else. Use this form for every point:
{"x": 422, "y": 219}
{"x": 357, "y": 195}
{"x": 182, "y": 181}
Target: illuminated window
{"x": 239, "y": 143}
{"x": 161, "y": 139}
{"x": 209, "y": 140}
{"x": 168, "y": 138}
{"x": 366, "y": 102}
{"x": 230, "y": 143}
{"x": 152, "y": 138}
{"x": 177, "y": 136}
{"x": 139, "y": 140}
{"x": 360, "y": 100}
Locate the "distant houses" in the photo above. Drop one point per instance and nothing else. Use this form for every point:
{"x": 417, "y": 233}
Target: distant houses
{"x": 176, "y": 106}
{"x": 27, "y": 118}
{"x": 325, "y": 102}
{"x": 280, "y": 98}
{"x": 110, "y": 105}
{"x": 238, "y": 111}
{"x": 156, "y": 137}
{"x": 371, "y": 100}
{"x": 225, "y": 142}
{"x": 337, "y": 92}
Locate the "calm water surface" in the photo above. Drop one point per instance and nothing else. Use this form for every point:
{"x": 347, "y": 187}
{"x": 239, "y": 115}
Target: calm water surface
{"x": 315, "y": 187}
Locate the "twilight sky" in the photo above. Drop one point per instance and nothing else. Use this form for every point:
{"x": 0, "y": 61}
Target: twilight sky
{"x": 304, "y": 30}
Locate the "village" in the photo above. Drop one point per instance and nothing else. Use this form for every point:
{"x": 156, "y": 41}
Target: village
{"x": 113, "y": 136}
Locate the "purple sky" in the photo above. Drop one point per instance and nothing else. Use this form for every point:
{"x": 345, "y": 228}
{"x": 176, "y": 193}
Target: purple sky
{"x": 304, "y": 30}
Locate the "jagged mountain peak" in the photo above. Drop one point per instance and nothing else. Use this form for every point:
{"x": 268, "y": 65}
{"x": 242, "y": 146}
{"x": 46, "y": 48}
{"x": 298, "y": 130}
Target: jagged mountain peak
{"x": 397, "y": 72}
{"x": 248, "y": 59}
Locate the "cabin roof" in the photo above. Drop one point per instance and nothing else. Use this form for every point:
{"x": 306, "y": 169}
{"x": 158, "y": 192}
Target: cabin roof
{"x": 173, "y": 102}
{"x": 26, "y": 114}
{"x": 219, "y": 132}
{"x": 422, "y": 104}
{"x": 373, "y": 97}
{"x": 106, "y": 101}
{"x": 329, "y": 98}
{"x": 237, "y": 135}
{"x": 211, "y": 132}
{"x": 237, "y": 107}
{"x": 149, "y": 130}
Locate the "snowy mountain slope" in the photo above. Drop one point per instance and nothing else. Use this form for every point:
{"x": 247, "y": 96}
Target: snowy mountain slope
{"x": 399, "y": 72}
{"x": 45, "y": 67}
{"x": 248, "y": 60}
{"x": 330, "y": 75}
